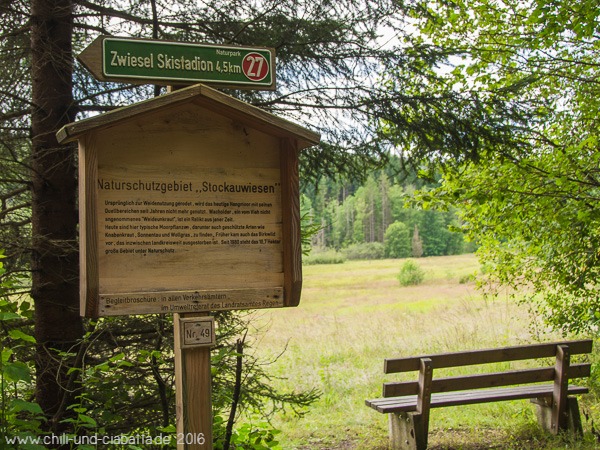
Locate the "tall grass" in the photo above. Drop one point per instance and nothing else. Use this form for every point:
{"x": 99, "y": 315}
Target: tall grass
{"x": 353, "y": 315}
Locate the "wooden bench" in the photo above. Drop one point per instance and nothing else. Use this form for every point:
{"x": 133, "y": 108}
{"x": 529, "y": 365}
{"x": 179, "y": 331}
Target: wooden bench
{"x": 408, "y": 403}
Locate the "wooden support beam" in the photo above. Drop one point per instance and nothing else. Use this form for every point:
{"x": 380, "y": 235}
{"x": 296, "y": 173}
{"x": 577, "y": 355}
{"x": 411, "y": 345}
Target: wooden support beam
{"x": 192, "y": 392}
{"x": 504, "y": 354}
{"x": 424, "y": 398}
{"x": 559, "y": 397}
{"x": 543, "y": 412}
{"x": 485, "y": 380}
{"x": 403, "y": 431}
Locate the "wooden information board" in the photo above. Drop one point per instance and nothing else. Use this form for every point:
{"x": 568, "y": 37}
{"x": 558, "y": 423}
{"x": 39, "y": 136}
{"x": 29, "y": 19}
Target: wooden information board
{"x": 188, "y": 202}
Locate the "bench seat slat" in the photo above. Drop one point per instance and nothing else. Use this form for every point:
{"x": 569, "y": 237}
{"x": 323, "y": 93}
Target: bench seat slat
{"x": 515, "y": 353}
{"x": 408, "y": 403}
{"x": 486, "y": 380}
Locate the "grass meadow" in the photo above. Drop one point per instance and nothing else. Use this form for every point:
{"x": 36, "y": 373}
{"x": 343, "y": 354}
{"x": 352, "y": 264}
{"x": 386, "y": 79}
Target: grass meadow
{"x": 355, "y": 314}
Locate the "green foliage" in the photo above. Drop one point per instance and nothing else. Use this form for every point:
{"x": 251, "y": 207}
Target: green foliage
{"x": 328, "y": 256}
{"x": 350, "y": 213}
{"x": 308, "y": 228}
{"x": 541, "y": 235}
{"x": 433, "y": 227}
{"x": 257, "y": 434}
{"x": 411, "y": 274}
{"x": 19, "y": 417}
{"x": 469, "y": 278}
{"x": 365, "y": 250}
{"x": 397, "y": 241}
{"x": 130, "y": 388}
{"x": 518, "y": 79}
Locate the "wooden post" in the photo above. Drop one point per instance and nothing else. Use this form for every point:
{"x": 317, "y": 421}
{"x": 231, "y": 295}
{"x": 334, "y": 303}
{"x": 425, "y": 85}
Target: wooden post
{"x": 192, "y": 392}
{"x": 424, "y": 400}
{"x": 543, "y": 410}
{"x": 561, "y": 381}
{"x": 193, "y": 395}
{"x": 403, "y": 431}
{"x": 409, "y": 431}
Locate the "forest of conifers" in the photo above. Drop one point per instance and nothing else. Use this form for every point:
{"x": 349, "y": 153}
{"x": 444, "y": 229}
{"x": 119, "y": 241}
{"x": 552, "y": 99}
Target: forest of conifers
{"x": 375, "y": 218}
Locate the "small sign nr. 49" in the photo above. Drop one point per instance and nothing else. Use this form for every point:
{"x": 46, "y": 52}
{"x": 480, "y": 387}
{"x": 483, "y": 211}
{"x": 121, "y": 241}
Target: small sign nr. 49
{"x": 197, "y": 332}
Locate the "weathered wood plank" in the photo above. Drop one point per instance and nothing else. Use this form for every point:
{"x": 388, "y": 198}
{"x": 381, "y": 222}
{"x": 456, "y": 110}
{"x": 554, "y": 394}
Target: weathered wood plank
{"x": 467, "y": 358}
{"x": 292, "y": 246}
{"x": 487, "y": 380}
{"x": 201, "y": 94}
{"x": 190, "y": 301}
{"x": 404, "y": 432}
{"x": 409, "y": 403}
{"x": 88, "y": 229}
{"x": 424, "y": 399}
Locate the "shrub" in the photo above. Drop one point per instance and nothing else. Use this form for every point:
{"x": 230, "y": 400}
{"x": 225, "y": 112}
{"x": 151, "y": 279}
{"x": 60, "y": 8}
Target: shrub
{"x": 20, "y": 417}
{"x": 365, "y": 250}
{"x": 397, "y": 241}
{"x": 410, "y": 274}
{"x": 329, "y": 256}
{"x": 468, "y": 278}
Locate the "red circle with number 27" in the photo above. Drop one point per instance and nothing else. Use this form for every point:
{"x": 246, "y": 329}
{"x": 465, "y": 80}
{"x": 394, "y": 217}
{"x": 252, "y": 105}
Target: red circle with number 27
{"x": 255, "y": 66}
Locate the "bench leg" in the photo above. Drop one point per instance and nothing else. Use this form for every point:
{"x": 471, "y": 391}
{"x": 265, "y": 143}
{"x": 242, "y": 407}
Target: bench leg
{"x": 545, "y": 417}
{"x": 407, "y": 432}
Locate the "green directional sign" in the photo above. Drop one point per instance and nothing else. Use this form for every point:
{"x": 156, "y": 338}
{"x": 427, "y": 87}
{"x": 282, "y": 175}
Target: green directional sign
{"x": 164, "y": 62}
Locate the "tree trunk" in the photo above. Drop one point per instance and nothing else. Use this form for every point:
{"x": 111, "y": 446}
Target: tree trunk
{"x": 55, "y": 265}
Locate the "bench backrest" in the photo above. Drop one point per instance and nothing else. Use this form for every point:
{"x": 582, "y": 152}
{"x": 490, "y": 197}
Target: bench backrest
{"x": 478, "y": 381}
{"x": 487, "y": 356}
